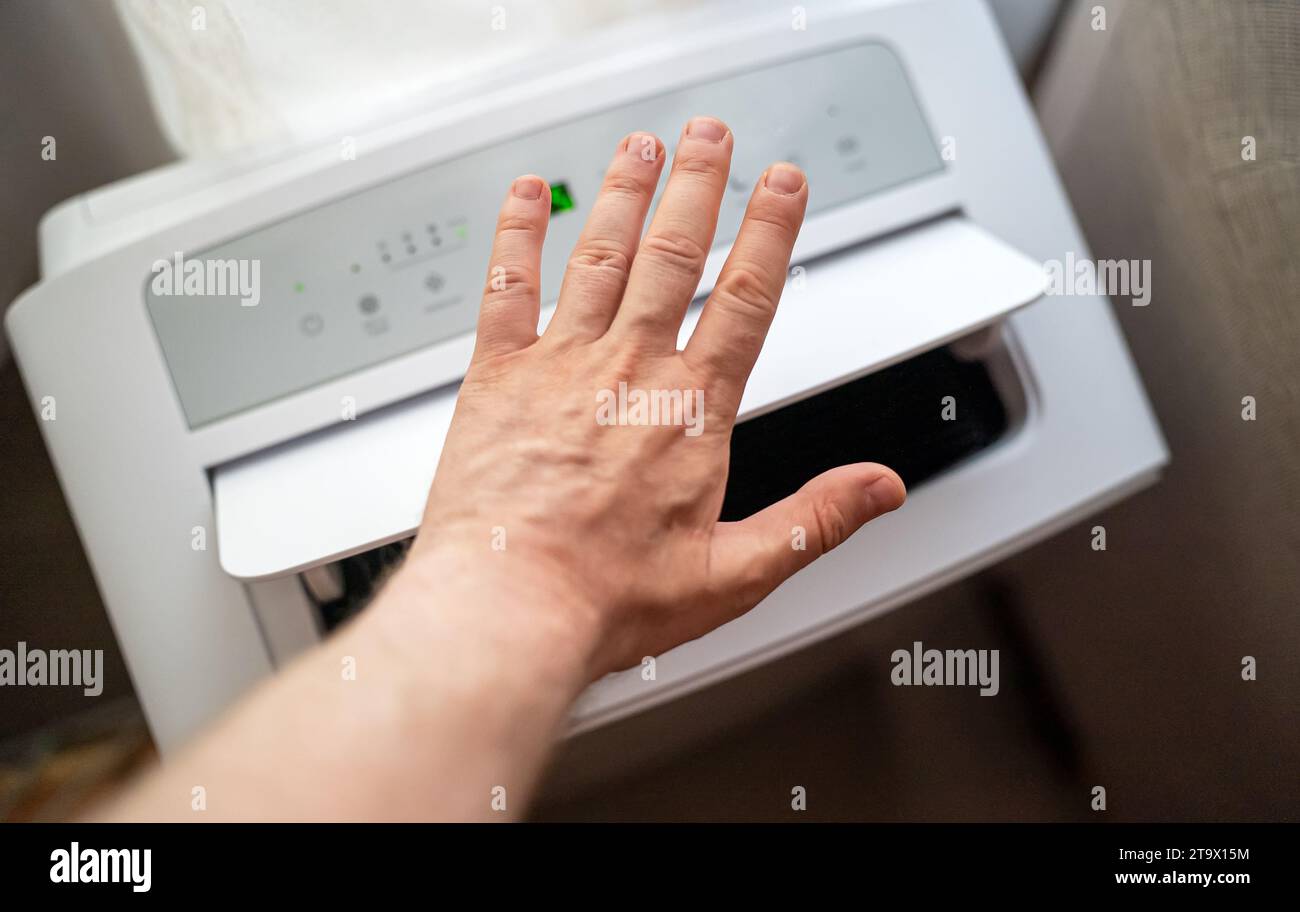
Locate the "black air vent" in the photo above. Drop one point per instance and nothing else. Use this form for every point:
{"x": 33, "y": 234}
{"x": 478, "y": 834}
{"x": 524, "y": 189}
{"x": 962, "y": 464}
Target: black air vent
{"x": 893, "y": 416}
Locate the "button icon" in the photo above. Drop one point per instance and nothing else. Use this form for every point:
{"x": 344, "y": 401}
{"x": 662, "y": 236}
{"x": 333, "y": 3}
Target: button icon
{"x": 368, "y": 304}
{"x": 434, "y": 282}
{"x": 311, "y": 325}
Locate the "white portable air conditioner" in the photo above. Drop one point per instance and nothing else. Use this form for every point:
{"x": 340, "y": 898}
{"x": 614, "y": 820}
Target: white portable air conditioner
{"x": 232, "y": 516}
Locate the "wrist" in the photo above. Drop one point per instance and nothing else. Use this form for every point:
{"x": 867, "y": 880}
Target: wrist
{"x": 529, "y": 620}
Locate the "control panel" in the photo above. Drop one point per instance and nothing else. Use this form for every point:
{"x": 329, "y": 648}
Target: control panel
{"x": 401, "y": 265}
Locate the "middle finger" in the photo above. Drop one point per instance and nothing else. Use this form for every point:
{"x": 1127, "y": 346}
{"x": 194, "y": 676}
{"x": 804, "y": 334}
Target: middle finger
{"x": 668, "y": 265}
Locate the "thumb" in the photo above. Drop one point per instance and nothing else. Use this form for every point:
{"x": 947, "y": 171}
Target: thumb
{"x": 752, "y": 557}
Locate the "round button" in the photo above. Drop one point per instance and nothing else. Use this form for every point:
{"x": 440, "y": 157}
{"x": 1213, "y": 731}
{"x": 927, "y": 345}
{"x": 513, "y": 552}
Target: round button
{"x": 311, "y": 324}
{"x": 368, "y": 304}
{"x": 434, "y": 282}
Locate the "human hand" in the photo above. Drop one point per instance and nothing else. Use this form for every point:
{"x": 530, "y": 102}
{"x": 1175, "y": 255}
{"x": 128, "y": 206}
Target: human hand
{"x": 610, "y": 529}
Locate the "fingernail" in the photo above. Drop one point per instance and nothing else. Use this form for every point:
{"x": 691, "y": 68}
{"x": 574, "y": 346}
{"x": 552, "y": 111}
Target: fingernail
{"x": 886, "y": 493}
{"x": 707, "y": 129}
{"x": 528, "y": 188}
{"x": 643, "y": 146}
{"x": 783, "y": 178}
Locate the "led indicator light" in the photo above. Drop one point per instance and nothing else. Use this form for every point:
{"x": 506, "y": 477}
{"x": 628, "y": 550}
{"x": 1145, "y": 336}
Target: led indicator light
{"x": 561, "y": 200}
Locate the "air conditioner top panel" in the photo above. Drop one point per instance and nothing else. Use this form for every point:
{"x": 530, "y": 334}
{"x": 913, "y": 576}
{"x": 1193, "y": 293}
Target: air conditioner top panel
{"x": 398, "y": 266}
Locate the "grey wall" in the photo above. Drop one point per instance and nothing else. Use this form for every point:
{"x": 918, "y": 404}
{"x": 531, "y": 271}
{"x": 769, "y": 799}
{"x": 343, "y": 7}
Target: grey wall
{"x": 67, "y": 72}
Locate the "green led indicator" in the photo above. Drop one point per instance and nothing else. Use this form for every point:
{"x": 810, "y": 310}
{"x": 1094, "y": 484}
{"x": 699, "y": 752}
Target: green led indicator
{"x": 298, "y": 287}
{"x": 561, "y": 201}
{"x": 461, "y": 231}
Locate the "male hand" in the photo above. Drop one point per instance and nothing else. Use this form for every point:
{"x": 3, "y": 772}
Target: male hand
{"x": 612, "y": 529}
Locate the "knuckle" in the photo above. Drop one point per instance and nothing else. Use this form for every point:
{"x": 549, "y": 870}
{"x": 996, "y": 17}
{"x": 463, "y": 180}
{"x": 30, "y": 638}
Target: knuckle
{"x": 696, "y": 165}
{"x": 626, "y": 185}
{"x": 509, "y": 282}
{"x": 830, "y": 522}
{"x": 603, "y": 256}
{"x": 513, "y": 223}
{"x": 675, "y": 250}
{"x": 747, "y": 292}
{"x": 775, "y": 218}
{"x": 621, "y": 362}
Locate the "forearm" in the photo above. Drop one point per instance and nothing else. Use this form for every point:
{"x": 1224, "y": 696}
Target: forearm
{"x": 440, "y": 692}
